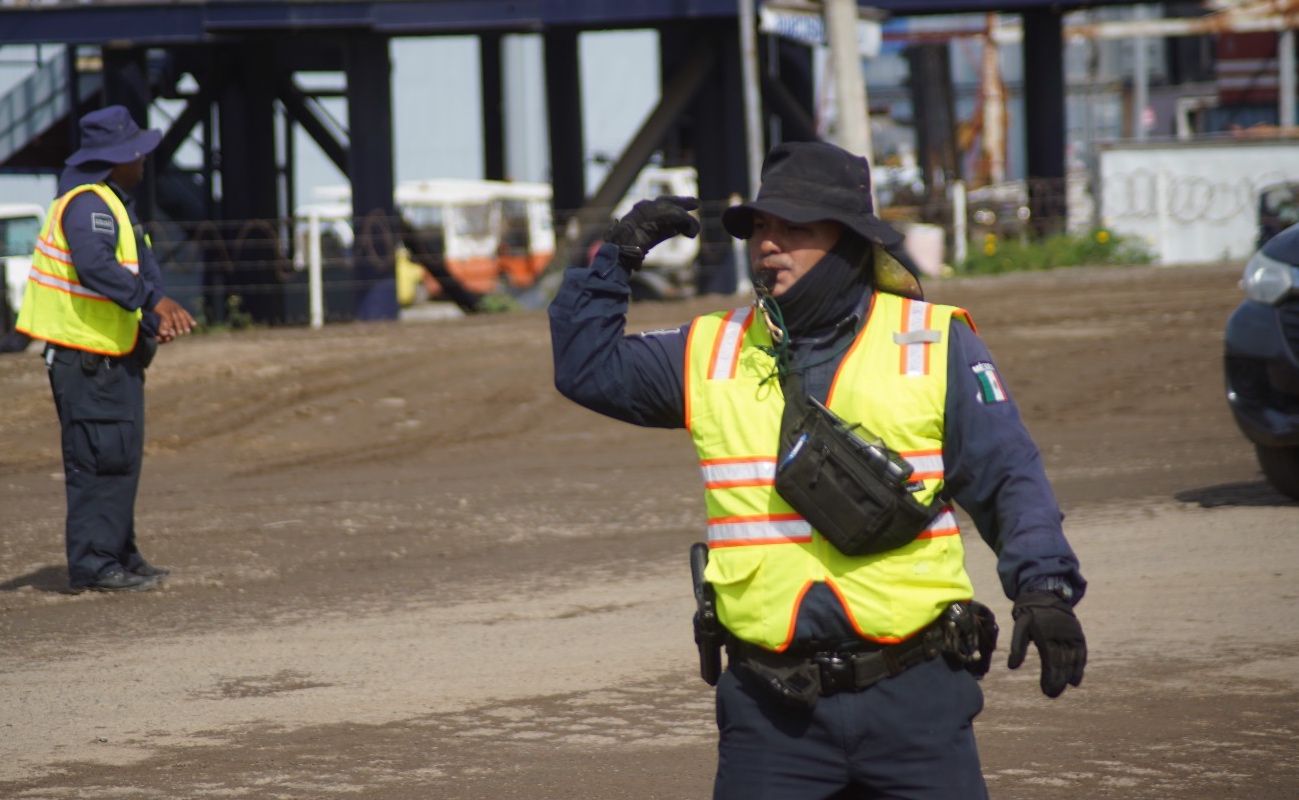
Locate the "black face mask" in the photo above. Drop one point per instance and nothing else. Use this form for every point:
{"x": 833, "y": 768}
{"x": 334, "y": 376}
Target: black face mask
{"x": 830, "y": 290}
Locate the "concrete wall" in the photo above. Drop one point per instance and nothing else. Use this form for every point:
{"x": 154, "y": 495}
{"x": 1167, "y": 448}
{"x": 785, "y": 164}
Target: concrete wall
{"x": 1192, "y": 202}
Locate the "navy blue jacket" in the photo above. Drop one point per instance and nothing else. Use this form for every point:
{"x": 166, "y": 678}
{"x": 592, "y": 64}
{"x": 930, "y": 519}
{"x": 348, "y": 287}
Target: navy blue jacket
{"x": 91, "y": 231}
{"x": 992, "y": 466}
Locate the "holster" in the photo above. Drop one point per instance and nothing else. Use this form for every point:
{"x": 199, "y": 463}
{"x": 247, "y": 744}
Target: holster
{"x": 969, "y": 636}
{"x": 146, "y": 347}
{"x": 710, "y": 634}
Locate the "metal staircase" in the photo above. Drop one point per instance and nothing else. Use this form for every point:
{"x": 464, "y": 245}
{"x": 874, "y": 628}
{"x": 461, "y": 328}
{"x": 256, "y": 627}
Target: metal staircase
{"x": 35, "y": 115}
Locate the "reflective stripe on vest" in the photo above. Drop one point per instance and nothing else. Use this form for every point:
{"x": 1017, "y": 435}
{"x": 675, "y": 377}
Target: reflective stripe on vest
{"x": 764, "y": 556}
{"x": 57, "y": 307}
{"x": 726, "y": 353}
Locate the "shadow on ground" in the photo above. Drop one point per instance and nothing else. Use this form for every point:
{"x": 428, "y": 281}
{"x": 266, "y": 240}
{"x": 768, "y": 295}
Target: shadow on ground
{"x": 45, "y": 579}
{"x": 1252, "y": 493}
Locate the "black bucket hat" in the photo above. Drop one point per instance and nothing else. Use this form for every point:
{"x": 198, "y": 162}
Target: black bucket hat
{"x": 110, "y": 136}
{"x": 813, "y": 181}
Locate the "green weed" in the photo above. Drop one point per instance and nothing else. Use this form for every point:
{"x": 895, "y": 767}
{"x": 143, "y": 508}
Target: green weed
{"x": 995, "y": 255}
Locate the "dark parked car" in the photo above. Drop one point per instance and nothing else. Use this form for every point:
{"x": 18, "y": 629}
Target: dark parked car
{"x": 1262, "y": 359}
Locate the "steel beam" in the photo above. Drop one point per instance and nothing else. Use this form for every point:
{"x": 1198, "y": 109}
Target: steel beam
{"x": 681, "y": 88}
{"x": 298, "y": 105}
{"x": 160, "y": 23}
{"x": 196, "y": 110}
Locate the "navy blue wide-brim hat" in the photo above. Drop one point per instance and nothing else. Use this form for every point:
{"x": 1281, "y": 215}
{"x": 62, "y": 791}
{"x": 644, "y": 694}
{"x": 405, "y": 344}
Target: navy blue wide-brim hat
{"x": 814, "y": 181}
{"x": 110, "y": 136}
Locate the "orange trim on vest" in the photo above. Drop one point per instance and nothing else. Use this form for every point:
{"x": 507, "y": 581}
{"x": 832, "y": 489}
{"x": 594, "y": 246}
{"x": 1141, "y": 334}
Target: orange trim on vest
{"x": 690, "y": 337}
{"x": 793, "y": 620}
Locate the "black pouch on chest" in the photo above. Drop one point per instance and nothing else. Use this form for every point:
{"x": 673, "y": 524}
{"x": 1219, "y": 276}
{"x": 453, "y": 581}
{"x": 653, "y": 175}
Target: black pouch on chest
{"x": 853, "y": 491}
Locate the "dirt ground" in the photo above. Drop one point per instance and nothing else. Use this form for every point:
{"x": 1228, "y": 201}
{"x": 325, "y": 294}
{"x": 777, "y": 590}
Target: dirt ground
{"x": 406, "y": 568}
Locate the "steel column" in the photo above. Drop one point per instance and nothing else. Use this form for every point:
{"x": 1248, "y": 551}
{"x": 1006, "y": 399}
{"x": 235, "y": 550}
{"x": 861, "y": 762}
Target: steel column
{"x": 935, "y": 122}
{"x": 720, "y": 154}
{"x": 369, "y": 114}
{"x": 1044, "y": 93}
{"x": 493, "y": 92}
{"x": 126, "y": 83}
{"x": 567, "y": 142}
{"x": 249, "y": 199}
{"x": 789, "y": 90}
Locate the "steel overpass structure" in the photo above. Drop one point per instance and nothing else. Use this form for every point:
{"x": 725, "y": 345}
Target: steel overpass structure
{"x": 241, "y": 58}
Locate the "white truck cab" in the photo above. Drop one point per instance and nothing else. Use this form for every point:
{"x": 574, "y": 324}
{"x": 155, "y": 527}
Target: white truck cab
{"x": 20, "y": 224}
{"x": 668, "y": 270}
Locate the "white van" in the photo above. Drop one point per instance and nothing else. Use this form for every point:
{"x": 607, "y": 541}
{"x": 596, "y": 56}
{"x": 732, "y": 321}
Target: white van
{"x": 20, "y": 225}
{"x": 489, "y": 234}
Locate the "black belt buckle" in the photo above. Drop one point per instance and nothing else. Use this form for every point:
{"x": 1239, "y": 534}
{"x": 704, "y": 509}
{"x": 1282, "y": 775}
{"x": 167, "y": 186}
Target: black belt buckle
{"x": 837, "y": 673}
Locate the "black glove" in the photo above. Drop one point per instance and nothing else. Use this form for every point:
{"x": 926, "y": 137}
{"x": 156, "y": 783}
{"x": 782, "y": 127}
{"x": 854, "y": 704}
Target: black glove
{"x": 1048, "y": 620}
{"x": 650, "y": 222}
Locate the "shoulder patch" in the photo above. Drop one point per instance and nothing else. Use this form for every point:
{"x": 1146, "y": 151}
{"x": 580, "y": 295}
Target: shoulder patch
{"x": 991, "y": 389}
{"x": 659, "y": 332}
{"x": 103, "y": 223}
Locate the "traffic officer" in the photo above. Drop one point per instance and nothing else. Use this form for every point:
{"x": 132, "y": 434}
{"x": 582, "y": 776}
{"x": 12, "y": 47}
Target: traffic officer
{"x": 95, "y": 297}
{"x": 835, "y": 686}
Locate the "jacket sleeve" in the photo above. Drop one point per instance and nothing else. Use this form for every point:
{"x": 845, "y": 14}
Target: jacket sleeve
{"x": 91, "y": 231}
{"x": 151, "y": 275}
{"x": 638, "y": 378}
{"x": 994, "y": 470}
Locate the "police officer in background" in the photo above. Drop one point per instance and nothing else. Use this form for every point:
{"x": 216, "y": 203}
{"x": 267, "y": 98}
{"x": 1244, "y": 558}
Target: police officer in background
{"x": 95, "y": 297}
{"x": 847, "y": 675}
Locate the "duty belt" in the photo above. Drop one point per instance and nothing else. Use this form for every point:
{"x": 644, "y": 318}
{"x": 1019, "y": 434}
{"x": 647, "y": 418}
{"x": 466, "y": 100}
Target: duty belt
{"x": 801, "y": 677}
{"x": 146, "y": 347}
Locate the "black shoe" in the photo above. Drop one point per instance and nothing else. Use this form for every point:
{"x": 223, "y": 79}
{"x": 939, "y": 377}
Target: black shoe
{"x": 148, "y": 570}
{"x": 119, "y": 580}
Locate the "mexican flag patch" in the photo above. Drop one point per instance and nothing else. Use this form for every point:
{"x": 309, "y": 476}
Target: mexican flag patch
{"x": 991, "y": 389}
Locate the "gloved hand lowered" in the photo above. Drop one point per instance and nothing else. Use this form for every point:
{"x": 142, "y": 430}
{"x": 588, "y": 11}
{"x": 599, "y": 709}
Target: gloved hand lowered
{"x": 1048, "y": 621}
{"x": 650, "y": 222}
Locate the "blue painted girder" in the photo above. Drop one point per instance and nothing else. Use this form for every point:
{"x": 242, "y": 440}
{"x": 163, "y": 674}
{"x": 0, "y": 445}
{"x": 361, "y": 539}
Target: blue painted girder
{"x": 207, "y": 20}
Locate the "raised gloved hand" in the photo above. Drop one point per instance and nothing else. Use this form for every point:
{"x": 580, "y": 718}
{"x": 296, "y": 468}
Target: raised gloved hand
{"x": 650, "y": 222}
{"x": 1049, "y": 622}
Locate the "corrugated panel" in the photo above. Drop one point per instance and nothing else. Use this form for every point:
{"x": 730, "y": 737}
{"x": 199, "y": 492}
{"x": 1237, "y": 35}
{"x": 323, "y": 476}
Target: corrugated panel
{"x": 1246, "y": 69}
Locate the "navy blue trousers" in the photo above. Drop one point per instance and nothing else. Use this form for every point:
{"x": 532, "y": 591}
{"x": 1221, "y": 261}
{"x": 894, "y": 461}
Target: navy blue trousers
{"x": 101, "y": 414}
{"x": 909, "y": 737}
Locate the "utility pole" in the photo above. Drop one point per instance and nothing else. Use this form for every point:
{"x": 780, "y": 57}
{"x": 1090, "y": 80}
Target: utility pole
{"x": 752, "y": 97}
{"x": 853, "y": 132}
{"x": 1285, "y": 63}
{"x": 1141, "y": 80}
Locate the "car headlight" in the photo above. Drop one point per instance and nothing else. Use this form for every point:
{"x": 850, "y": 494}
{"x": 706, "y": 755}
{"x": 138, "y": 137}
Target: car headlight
{"x": 1268, "y": 280}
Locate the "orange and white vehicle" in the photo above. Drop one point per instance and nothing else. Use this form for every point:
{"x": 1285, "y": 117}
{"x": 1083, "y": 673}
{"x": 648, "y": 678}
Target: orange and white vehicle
{"x": 527, "y": 233}
{"x": 489, "y": 235}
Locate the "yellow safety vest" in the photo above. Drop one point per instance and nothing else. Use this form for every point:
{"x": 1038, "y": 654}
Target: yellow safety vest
{"x": 57, "y": 307}
{"x": 764, "y": 556}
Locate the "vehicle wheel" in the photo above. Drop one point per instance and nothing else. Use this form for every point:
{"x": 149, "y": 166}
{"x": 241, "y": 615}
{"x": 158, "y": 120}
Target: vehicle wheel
{"x": 1281, "y": 466}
